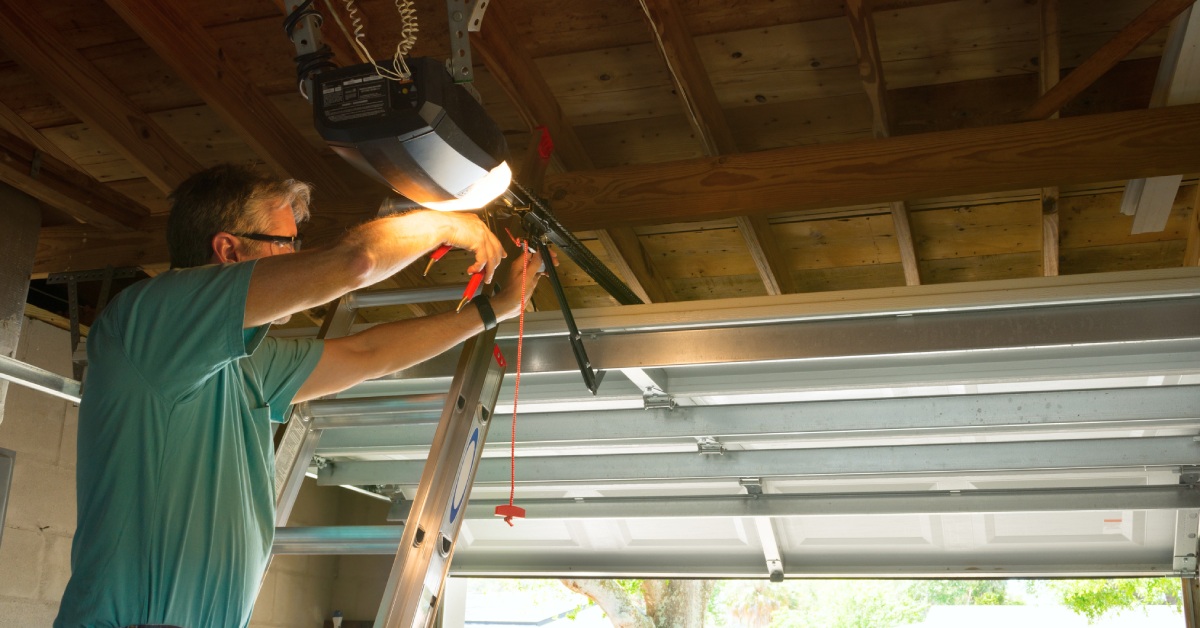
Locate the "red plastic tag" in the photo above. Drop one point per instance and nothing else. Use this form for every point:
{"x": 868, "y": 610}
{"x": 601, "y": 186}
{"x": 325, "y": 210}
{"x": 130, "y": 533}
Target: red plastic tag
{"x": 499, "y": 356}
{"x": 510, "y": 512}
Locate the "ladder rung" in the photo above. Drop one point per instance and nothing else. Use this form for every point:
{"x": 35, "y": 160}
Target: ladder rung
{"x": 338, "y": 540}
{"x": 379, "y": 298}
{"x": 357, "y": 406}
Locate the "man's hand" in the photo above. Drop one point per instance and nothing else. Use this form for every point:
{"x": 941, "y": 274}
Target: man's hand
{"x": 507, "y": 302}
{"x": 467, "y": 231}
{"x": 390, "y": 347}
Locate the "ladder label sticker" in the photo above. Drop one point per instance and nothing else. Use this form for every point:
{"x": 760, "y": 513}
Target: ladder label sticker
{"x": 462, "y": 480}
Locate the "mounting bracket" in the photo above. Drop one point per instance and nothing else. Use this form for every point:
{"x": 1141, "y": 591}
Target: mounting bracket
{"x": 465, "y": 17}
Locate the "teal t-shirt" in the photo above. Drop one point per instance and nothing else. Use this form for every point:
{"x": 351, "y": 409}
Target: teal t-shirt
{"x": 175, "y": 475}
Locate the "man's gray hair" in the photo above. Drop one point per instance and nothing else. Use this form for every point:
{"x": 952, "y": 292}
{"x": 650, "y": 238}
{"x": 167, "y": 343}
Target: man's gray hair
{"x": 230, "y": 198}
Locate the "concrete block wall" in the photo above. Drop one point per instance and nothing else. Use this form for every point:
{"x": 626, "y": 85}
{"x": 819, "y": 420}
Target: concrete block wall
{"x": 298, "y": 589}
{"x": 35, "y": 550}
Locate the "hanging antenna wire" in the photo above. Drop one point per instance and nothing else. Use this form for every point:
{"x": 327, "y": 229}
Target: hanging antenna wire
{"x": 342, "y": 27}
{"x": 399, "y": 70}
{"x": 408, "y": 33}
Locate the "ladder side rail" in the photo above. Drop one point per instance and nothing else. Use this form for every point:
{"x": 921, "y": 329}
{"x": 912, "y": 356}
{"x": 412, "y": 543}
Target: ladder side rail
{"x": 431, "y": 530}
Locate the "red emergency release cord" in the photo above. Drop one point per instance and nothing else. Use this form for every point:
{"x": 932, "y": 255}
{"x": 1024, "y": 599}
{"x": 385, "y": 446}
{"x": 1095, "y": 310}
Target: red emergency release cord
{"x": 511, "y": 511}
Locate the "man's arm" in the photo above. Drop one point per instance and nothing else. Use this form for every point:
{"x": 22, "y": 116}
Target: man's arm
{"x": 285, "y": 284}
{"x": 391, "y": 347}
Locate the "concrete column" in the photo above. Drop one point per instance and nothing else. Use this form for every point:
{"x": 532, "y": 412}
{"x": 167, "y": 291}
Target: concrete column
{"x": 20, "y": 221}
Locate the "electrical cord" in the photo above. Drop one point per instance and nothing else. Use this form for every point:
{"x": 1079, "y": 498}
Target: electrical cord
{"x": 342, "y": 27}
{"x": 408, "y": 37}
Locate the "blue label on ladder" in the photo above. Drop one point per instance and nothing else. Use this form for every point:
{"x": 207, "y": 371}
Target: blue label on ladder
{"x": 461, "y": 486}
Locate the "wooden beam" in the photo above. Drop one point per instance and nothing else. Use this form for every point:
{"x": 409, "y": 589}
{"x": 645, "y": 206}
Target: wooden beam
{"x": 1050, "y": 57}
{"x": 55, "y": 183}
{"x": 767, "y": 254}
{"x": 908, "y": 252}
{"x": 1049, "y": 69}
{"x": 1050, "y": 231}
{"x": 13, "y": 123}
{"x": 1152, "y": 20}
{"x": 62, "y": 249}
{"x": 634, "y": 265}
{"x": 498, "y": 45}
{"x": 1149, "y": 201}
{"x": 52, "y": 59}
{"x": 517, "y": 74}
{"x": 707, "y": 118}
{"x": 54, "y": 320}
{"x": 870, "y": 63}
{"x": 1029, "y": 155}
{"x": 679, "y": 51}
{"x": 192, "y": 53}
{"x": 870, "y": 71}
{"x": 1192, "y": 250}
{"x": 1191, "y": 253}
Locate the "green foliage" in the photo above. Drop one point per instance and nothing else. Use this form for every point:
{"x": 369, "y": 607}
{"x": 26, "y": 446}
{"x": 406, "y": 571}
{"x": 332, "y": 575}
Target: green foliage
{"x": 814, "y": 604}
{"x": 875, "y": 603}
{"x": 632, "y": 587}
{"x": 849, "y": 604}
{"x": 960, "y": 592}
{"x": 1095, "y": 598}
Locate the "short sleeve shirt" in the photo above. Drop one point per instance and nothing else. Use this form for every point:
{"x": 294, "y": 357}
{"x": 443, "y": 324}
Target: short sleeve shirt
{"x": 175, "y": 475}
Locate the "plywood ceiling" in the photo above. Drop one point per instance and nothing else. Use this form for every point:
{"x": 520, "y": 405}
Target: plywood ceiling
{"x": 705, "y": 148}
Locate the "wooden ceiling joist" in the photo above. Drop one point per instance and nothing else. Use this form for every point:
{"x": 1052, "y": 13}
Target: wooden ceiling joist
{"x": 1191, "y": 252}
{"x": 1152, "y": 20}
{"x": 704, "y": 113}
{"x": 202, "y": 63}
{"x": 67, "y": 248}
{"x": 60, "y": 185}
{"x": 904, "y": 239}
{"x": 1049, "y": 68}
{"x": 631, "y": 260}
{"x": 870, "y": 63}
{"x": 49, "y": 56}
{"x": 678, "y": 50}
{"x": 496, "y": 43}
{"x": 517, "y": 74}
{"x": 1029, "y": 155}
{"x": 870, "y": 70}
{"x": 13, "y": 123}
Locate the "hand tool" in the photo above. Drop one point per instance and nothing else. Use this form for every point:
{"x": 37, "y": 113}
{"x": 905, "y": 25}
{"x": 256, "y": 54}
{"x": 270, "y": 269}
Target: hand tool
{"x": 472, "y": 285}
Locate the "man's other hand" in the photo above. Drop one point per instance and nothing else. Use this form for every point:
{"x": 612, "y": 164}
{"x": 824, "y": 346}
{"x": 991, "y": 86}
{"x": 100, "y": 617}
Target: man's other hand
{"x": 507, "y": 302}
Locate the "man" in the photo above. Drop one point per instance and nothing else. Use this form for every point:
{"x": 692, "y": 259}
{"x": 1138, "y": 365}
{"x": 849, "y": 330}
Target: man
{"x": 175, "y": 471}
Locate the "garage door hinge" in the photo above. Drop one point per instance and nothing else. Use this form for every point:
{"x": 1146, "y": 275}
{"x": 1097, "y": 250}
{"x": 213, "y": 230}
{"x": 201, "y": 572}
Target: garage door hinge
{"x": 1185, "y": 566}
{"x": 710, "y": 447}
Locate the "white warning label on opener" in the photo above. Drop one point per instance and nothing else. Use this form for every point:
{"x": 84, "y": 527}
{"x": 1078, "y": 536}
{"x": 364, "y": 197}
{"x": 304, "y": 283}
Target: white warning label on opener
{"x": 355, "y": 98}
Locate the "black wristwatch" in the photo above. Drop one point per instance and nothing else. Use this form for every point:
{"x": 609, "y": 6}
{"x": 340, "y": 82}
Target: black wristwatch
{"x": 484, "y": 305}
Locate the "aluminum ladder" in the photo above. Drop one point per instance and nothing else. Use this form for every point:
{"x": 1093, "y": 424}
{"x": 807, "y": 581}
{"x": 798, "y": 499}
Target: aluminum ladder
{"x": 430, "y": 532}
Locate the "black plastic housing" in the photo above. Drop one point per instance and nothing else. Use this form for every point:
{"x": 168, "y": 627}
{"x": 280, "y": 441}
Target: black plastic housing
{"x": 427, "y": 139}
